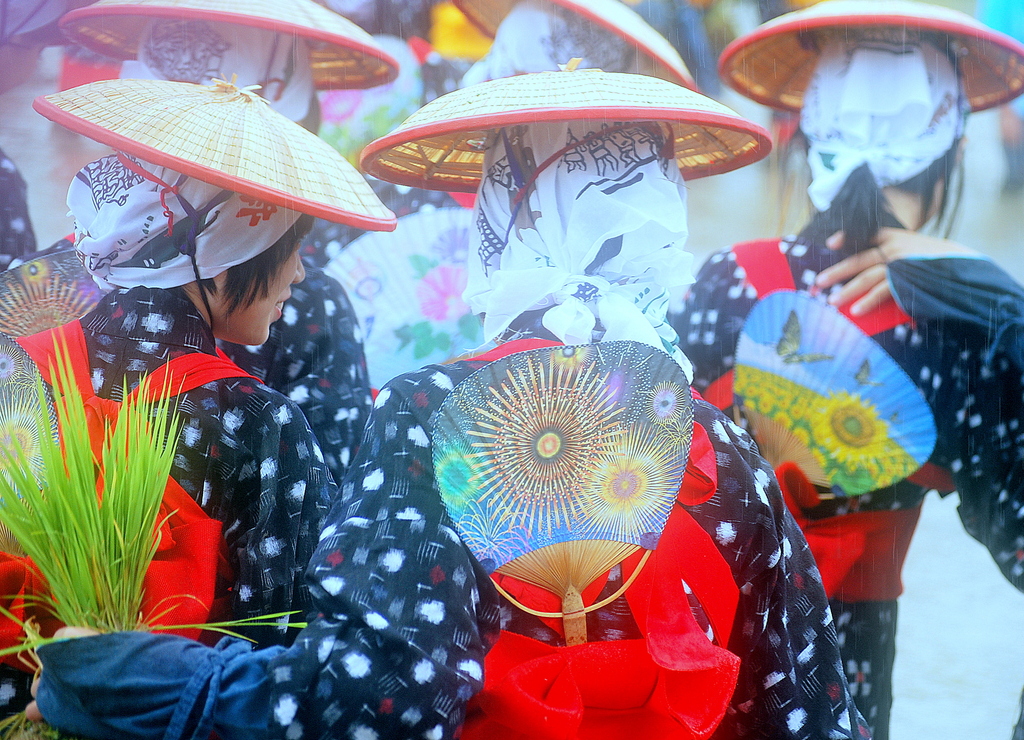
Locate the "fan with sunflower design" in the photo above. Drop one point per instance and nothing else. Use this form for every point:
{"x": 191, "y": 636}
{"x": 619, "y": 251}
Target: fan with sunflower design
{"x": 44, "y": 293}
{"x": 815, "y": 382}
{"x": 556, "y": 464}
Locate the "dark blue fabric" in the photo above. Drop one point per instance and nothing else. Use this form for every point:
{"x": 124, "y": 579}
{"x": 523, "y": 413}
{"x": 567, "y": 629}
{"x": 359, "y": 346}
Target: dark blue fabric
{"x": 973, "y": 291}
{"x": 155, "y": 687}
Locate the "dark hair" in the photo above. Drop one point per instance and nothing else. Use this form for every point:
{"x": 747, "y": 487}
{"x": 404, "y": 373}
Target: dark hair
{"x": 860, "y": 209}
{"x": 251, "y": 279}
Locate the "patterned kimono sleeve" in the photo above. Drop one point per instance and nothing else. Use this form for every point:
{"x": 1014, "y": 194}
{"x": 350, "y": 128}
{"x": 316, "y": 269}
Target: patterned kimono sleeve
{"x": 712, "y": 316}
{"x": 280, "y": 495}
{"x": 981, "y": 442}
{"x": 314, "y": 356}
{"x": 791, "y": 683}
{"x": 405, "y": 614}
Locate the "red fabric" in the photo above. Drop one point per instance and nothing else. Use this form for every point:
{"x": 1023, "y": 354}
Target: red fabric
{"x": 860, "y": 555}
{"x": 185, "y": 583}
{"x": 767, "y": 269}
{"x": 675, "y": 684}
{"x": 75, "y": 72}
{"x": 466, "y": 200}
{"x": 720, "y": 391}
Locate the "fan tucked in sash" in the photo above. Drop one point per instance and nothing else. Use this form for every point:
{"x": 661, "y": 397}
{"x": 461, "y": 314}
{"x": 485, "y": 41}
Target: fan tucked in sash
{"x": 406, "y": 288}
{"x": 19, "y": 404}
{"x": 44, "y": 293}
{"x": 813, "y": 379}
{"x": 556, "y": 464}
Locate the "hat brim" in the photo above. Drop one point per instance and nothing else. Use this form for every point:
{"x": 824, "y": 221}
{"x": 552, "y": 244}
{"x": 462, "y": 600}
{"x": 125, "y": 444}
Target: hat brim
{"x": 611, "y": 15}
{"x": 773, "y": 64}
{"x": 82, "y": 110}
{"x": 442, "y": 146}
{"x": 339, "y": 60}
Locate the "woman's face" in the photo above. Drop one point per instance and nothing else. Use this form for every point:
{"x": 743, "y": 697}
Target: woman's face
{"x": 251, "y": 324}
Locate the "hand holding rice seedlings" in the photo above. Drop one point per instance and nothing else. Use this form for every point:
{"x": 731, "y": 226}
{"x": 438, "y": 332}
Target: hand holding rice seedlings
{"x": 89, "y": 518}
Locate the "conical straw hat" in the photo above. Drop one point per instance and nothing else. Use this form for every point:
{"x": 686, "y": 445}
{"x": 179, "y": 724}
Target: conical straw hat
{"x": 611, "y": 15}
{"x": 773, "y": 64}
{"x": 224, "y": 136}
{"x": 341, "y": 53}
{"x": 441, "y": 146}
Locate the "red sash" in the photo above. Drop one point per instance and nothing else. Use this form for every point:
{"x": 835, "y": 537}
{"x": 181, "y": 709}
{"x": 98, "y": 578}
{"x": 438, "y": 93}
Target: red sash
{"x": 674, "y": 685}
{"x": 860, "y": 555}
{"x": 189, "y": 578}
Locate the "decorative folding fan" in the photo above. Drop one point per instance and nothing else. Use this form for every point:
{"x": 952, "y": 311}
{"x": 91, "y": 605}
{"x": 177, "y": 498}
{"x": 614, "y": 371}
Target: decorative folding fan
{"x": 45, "y": 293}
{"x": 19, "y": 404}
{"x": 406, "y": 288}
{"x": 351, "y": 119}
{"x": 556, "y": 464}
{"x": 804, "y": 366}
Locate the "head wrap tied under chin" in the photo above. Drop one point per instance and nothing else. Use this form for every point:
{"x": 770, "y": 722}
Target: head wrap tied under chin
{"x": 140, "y": 224}
{"x": 895, "y": 108}
{"x": 585, "y": 222}
{"x": 198, "y": 51}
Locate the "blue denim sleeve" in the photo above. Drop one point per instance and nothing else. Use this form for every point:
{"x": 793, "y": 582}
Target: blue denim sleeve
{"x": 155, "y": 687}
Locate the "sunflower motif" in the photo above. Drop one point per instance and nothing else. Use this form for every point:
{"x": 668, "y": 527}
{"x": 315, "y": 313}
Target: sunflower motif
{"x": 850, "y": 430}
{"x": 537, "y": 440}
{"x": 632, "y": 489}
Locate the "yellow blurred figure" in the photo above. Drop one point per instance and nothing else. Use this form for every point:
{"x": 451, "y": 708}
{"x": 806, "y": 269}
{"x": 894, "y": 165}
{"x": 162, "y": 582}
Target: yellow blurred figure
{"x": 453, "y": 36}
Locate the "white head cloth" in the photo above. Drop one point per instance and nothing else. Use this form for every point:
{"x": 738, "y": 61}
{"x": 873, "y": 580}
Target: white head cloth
{"x": 537, "y": 36}
{"x": 198, "y": 51}
{"x": 121, "y": 225}
{"x": 895, "y": 108}
{"x": 596, "y": 242}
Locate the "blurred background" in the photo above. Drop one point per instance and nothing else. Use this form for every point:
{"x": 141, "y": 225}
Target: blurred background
{"x": 960, "y": 659}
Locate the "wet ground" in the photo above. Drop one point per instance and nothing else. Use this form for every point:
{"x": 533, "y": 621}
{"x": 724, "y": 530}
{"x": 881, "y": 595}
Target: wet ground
{"x": 960, "y": 663}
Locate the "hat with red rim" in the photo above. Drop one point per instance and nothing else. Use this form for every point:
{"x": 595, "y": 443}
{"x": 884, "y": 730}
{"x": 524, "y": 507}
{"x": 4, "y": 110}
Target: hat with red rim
{"x": 224, "y": 136}
{"x": 773, "y": 63}
{"x": 342, "y": 55}
{"x": 611, "y": 15}
{"x": 442, "y": 145}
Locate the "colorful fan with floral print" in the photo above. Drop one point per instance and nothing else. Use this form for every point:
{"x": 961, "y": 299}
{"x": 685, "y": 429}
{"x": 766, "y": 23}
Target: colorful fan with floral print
{"x": 406, "y": 288}
{"x": 44, "y": 293}
{"x": 556, "y": 464}
{"x": 805, "y": 366}
{"x": 19, "y": 403}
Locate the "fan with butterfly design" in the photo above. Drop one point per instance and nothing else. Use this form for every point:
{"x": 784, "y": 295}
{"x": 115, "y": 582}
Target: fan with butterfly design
{"x": 44, "y": 293}
{"x": 816, "y": 383}
{"x": 556, "y": 464}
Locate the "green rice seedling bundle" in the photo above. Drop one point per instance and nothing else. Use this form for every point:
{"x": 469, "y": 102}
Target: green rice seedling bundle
{"x": 88, "y": 516}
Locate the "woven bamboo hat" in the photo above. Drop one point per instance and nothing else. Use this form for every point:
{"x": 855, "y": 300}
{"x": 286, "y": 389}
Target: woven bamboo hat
{"x": 224, "y": 136}
{"x": 611, "y": 15}
{"x": 773, "y": 64}
{"x": 441, "y": 146}
{"x": 341, "y": 53}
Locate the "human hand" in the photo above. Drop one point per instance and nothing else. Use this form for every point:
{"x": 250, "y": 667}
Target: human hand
{"x": 32, "y": 710}
{"x": 865, "y": 274}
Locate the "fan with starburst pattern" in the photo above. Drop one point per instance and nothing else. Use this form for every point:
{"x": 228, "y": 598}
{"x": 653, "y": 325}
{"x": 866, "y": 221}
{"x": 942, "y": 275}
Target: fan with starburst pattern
{"x": 20, "y": 386}
{"x": 556, "y": 464}
{"x": 44, "y": 293}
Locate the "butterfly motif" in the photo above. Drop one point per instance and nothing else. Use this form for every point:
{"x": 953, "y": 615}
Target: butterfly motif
{"x": 788, "y": 347}
{"x": 863, "y": 375}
